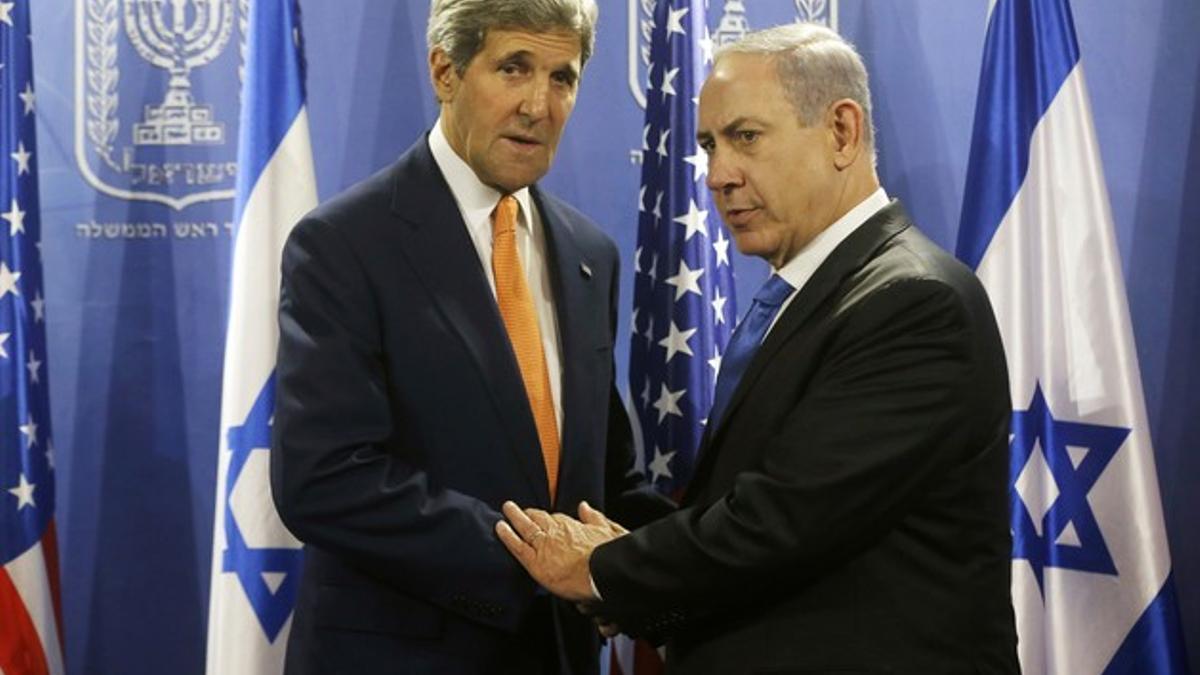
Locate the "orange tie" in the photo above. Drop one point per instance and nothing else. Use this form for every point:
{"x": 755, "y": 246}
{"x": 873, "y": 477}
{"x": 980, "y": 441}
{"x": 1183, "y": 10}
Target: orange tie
{"x": 520, "y": 319}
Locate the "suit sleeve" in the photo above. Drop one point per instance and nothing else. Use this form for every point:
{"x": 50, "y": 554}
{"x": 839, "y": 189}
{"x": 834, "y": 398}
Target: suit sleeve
{"x": 891, "y": 407}
{"x": 334, "y": 485}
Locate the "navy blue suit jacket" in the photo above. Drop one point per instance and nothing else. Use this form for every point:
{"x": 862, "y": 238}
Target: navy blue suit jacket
{"x": 402, "y": 424}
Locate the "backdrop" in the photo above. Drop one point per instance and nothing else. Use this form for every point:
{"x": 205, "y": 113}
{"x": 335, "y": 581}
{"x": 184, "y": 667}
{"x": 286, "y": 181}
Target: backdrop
{"x": 137, "y": 246}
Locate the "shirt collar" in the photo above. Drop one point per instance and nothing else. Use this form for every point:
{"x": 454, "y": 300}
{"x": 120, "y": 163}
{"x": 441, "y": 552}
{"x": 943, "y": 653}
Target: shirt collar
{"x": 475, "y": 200}
{"x": 799, "y": 269}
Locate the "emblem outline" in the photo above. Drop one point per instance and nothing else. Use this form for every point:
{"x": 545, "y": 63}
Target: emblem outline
{"x": 84, "y": 8}
{"x": 636, "y": 87}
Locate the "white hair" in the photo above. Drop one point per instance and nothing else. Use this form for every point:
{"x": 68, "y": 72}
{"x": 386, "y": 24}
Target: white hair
{"x": 459, "y": 27}
{"x": 816, "y": 67}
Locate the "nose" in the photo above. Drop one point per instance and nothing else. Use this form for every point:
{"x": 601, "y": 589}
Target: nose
{"x": 535, "y": 102}
{"x": 723, "y": 174}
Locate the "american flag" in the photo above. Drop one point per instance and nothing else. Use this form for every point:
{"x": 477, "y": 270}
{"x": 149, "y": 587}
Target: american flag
{"x": 683, "y": 295}
{"x": 683, "y": 305}
{"x": 30, "y": 612}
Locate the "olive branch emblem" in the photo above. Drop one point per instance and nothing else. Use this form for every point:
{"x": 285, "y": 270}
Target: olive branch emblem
{"x": 103, "y": 76}
{"x": 813, "y": 10}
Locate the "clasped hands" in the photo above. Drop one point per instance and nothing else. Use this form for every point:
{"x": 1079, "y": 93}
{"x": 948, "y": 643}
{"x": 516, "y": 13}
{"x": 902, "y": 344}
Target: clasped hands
{"x": 555, "y": 548}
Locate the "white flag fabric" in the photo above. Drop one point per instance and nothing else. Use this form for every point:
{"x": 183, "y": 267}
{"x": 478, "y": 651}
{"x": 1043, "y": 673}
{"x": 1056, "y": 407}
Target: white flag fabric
{"x": 256, "y": 561}
{"x": 1091, "y": 569}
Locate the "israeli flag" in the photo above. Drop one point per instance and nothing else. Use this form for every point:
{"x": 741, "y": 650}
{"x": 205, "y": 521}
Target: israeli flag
{"x": 1091, "y": 570}
{"x": 256, "y": 561}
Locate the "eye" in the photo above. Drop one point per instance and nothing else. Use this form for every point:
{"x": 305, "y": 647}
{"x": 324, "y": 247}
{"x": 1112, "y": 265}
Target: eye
{"x": 511, "y": 68}
{"x": 707, "y": 146}
{"x": 747, "y": 136}
{"x": 565, "y": 78}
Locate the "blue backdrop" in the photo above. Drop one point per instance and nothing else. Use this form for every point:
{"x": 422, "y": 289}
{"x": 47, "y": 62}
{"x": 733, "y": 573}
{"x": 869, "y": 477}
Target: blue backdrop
{"x": 137, "y": 286}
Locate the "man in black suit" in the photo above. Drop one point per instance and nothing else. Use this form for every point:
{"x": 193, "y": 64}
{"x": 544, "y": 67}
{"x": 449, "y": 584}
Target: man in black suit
{"x": 446, "y": 344}
{"x": 849, "y": 509}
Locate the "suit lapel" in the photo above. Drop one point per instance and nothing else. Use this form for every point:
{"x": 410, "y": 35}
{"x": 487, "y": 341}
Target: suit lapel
{"x": 573, "y": 289}
{"x": 846, "y": 259}
{"x": 440, "y": 251}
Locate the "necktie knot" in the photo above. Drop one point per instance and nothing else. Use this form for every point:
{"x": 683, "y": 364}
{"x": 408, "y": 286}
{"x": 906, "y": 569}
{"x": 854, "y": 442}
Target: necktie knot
{"x": 504, "y": 216}
{"x": 774, "y": 292}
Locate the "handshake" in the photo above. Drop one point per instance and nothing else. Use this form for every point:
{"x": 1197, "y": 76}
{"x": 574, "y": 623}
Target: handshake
{"x": 555, "y": 549}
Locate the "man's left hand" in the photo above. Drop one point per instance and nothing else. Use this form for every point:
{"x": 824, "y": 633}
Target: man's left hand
{"x": 555, "y": 548}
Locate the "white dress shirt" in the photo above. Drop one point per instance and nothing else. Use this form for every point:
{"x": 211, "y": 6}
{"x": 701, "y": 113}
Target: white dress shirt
{"x": 476, "y": 202}
{"x": 800, "y": 269}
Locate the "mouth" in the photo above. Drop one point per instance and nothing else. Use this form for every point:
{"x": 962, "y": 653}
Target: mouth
{"x": 523, "y": 142}
{"x": 739, "y": 217}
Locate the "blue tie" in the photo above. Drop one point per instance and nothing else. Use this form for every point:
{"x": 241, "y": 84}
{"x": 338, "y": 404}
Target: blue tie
{"x": 745, "y": 341}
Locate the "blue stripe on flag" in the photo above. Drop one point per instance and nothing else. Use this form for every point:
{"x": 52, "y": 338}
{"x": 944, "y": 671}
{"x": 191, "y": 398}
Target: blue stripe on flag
{"x": 1029, "y": 52}
{"x": 273, "y": 89}
{"x": 1155, "y": 644}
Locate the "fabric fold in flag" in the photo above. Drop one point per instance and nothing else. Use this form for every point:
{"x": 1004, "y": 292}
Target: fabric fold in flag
{"x": 1091, "y": 567}
{"x": 256, "y": 561}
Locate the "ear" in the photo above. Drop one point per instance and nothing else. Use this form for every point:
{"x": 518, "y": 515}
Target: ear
{"x": 846, "y": 122}
{"x": 443, "y": 74}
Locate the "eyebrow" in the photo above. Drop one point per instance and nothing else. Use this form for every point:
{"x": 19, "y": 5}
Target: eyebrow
{"x": 525, "y": 54}
{"x": 727, "y": 130}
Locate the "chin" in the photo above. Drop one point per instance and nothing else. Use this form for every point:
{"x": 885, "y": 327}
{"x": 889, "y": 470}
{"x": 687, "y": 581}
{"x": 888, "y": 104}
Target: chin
{"x": 506, "y": 182}
{"x": 752, "y": 245}
{"x": 525, "y": 180}
{"x": 511, "y": 185}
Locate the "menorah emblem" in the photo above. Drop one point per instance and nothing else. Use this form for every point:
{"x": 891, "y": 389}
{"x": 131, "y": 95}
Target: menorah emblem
{"x": 733, "y": 25}
{"x": 178, "y": 36}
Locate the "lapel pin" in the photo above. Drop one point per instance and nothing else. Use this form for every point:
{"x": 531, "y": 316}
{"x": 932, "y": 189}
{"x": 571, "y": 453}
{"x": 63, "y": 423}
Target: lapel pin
{"x": 587, "y": 271}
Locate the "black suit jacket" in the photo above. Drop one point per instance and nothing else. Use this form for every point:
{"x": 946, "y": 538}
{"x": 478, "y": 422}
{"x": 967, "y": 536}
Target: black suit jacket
{"x": 850, "y": 511}
{"x": 402, "y": 424}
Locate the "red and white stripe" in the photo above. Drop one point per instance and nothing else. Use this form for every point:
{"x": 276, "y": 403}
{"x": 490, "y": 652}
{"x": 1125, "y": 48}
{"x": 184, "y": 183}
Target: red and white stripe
{"x": 30, "y": 611}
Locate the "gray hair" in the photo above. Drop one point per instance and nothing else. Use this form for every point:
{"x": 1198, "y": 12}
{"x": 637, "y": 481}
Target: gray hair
{"x": 816, "y": 67}
{"x": 458, "y": 27}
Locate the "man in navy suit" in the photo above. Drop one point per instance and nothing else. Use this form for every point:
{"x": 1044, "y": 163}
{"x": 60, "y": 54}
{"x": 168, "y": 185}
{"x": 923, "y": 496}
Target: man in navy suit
{"x": 849, "y": 511}
{"x": 446, "y": 344}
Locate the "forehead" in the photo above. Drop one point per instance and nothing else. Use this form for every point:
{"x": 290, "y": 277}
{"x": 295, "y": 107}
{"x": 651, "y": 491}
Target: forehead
{"x": 558, "y": 46}
{"x": 741, "y": 85}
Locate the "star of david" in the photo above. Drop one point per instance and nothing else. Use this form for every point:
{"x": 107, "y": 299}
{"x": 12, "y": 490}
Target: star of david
{"x": 251, "y": 563}
{"x": 1054, "y": 465}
